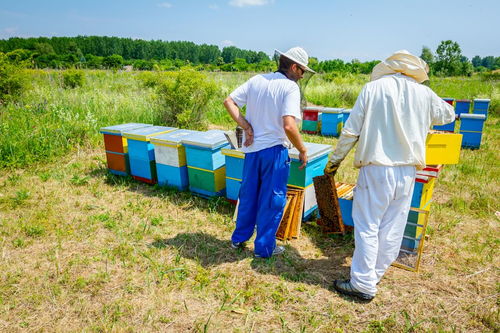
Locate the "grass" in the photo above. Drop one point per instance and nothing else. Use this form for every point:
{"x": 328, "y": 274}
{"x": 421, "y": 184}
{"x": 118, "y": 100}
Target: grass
{"x": 83, "y": 250}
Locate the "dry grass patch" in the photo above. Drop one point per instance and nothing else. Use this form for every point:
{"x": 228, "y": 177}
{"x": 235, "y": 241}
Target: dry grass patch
{"x": 85, "y": 250}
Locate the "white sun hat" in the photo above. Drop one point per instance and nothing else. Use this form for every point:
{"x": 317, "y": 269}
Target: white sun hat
{"x": 402, "y": 62}
{"x": 297, "y": 55}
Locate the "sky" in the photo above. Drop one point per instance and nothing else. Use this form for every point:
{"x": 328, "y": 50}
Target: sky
{"x": 326, "y": 29}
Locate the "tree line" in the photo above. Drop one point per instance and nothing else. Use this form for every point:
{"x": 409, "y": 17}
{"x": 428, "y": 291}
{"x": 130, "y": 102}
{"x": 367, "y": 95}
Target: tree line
{"x": 97, "y": 52}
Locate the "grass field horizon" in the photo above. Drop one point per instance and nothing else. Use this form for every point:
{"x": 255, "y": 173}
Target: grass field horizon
{"x": 83, "y": 250}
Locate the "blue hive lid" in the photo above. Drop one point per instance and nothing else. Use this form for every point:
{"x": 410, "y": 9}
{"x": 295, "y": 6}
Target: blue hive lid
{"x": 482, "y": 100}
{"x": 448, "y": 99}
{"x": 173, "y": 138}
{"x": 119, "y": 129}
{"x": 145, "y": 134}
{"x": 212, "y": 139}
{"x": 314, "y": 150}
{"x": 472, "y": 116}
{"x": 332, "y": 110}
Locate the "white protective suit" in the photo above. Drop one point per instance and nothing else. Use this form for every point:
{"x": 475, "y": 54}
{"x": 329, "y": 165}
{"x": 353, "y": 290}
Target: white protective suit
{"x": 390, "y": 121}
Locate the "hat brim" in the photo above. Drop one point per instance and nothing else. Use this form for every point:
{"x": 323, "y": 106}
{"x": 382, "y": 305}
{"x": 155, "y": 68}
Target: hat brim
{"x": 296, "y": 61}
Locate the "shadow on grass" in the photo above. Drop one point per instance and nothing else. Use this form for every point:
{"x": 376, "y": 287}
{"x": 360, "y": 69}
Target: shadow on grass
{"x": 180, "y": 198}
{"x": 210, "y": 251}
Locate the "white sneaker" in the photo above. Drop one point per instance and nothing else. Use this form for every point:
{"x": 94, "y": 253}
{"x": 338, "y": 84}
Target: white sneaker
{"x": 277, "y": 251}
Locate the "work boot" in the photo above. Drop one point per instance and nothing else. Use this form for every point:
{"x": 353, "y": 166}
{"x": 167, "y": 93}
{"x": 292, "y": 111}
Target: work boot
{"x": 277, "y": 251}
{"x": 345, "y": 287}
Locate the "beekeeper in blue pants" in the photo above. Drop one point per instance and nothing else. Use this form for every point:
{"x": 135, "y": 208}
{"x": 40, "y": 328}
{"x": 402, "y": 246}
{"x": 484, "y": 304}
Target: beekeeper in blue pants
{"x": 272, "y": 111}
{"x": 389, "y": 121}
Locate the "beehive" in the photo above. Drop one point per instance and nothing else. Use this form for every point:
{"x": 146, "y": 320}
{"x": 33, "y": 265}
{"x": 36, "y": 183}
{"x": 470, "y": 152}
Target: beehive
{"x": 310, "y": 117}
{"x": 170, "y": 155}
{"x": 471, "y": 127}
{"x": 331, "y": 121}
{"x": 481, "y": 106}
{"x": 462, "y": 106}
{"x": 446, "y": 127}
{"x": 141, "y": 152}
{"x": 317, "y": 155}
{"x": 442, "y": 148}
{"x": 205, "y": 162}
{"x": 116, "y": 147}
{"x": 235, "y": 160}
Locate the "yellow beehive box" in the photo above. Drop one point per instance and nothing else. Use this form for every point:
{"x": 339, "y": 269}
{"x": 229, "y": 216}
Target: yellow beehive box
{"x": 442, "y": 148}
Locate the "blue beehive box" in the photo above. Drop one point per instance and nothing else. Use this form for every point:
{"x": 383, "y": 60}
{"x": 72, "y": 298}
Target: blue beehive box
{"x": 206, "y": 164}
{"x": 235, "y": 160}
{"x": 481, "y": 106}
{"x": 331, "y": 121}
{"x": 117, "y": 148}
{"x": 170, "y": 155}
{"x": 345, "y": 115}
{"x": 141, "y": 152}
{"x": 471, "y": 127}
{"x": 317, "y": 155}
{"x": 446, "y": 127}
{"x": 462, "y": 106}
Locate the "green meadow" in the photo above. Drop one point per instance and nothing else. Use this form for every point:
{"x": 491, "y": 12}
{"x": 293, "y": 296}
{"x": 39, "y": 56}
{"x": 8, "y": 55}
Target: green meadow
{"x": 83, "y": 250}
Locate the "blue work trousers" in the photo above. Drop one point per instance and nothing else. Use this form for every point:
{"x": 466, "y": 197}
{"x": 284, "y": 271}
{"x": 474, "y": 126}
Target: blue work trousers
{"x": 262, "y": 198}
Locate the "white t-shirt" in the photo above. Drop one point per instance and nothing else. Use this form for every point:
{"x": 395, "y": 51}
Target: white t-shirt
{"x": 268, "y": 97}
{"x": 392, "y": 116}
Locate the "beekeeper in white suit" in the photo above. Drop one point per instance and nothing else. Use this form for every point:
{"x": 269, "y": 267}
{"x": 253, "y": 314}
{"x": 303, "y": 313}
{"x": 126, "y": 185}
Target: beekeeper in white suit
{"x": 390, "y": 121}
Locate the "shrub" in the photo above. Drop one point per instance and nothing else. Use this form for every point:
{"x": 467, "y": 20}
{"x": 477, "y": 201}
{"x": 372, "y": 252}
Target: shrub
{"x": 184, "y": 96}
{"x": 73, "y": 78}
{"x": 12, "y": 80}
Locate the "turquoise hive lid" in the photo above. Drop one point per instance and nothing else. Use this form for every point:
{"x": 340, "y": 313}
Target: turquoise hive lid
{"x": 333, "y": 110}
{"x": 314, "y": 150}
{"x": 145, "y": 134}
{"x": 212, "y": 139}
{"x": 173, "y": 138}
{"x": 119, "y": 129}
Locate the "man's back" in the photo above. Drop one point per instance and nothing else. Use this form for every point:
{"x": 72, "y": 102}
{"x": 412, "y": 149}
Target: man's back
{"x": 392, "y": 117}
{"x": 268, "y": 98}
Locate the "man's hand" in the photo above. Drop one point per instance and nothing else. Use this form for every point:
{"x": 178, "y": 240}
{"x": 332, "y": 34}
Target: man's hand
{"x": 248, "y": 135}
{"x": 331, "y": 169}
{"x": 303, "y": 158}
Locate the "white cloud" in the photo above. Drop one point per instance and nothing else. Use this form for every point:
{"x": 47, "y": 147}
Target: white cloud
{"x": 213, "y": 6}
{"x": 165, "y": 5}
{"x": 246, "y": 3}
{"x": 10, "y": 30}
{"x": 226, "y": 43}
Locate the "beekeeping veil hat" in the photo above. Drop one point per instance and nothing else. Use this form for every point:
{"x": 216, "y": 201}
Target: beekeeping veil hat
{"x": 402, "y": 62}
{"x": 297, "y": 55}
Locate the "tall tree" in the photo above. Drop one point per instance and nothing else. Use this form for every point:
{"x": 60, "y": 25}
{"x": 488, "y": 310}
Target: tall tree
{"x": 448, "y": 61}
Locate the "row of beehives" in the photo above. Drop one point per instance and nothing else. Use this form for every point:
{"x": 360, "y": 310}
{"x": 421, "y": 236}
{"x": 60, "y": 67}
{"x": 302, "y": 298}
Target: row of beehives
{"x": 329, "y": 121}
{"x": 202, "y": 162}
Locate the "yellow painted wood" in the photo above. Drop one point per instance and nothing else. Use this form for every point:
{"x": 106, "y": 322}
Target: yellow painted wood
{"x": 442, "y": 148}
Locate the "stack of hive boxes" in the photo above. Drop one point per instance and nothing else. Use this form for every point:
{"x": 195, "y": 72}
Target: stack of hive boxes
{"x": 310, "y": 119}
{"x": 471, "y": 127}
{"x": 331, "y": 121}
{"x": 441, "y": 148}
{"x": 235, "y": 160}
{"x": 141, "y": 152}
{"x": 116, "y": 147}
{"x": 170, "y": 154}
{"x": 317, "y": 155}
{"x": 205, "y": 162}
{"x": 481, "y": 106}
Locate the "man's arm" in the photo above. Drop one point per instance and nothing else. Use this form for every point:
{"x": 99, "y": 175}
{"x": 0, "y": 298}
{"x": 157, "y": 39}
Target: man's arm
{"x": 234, "y": 111}
{"x": 292, "y": 132}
